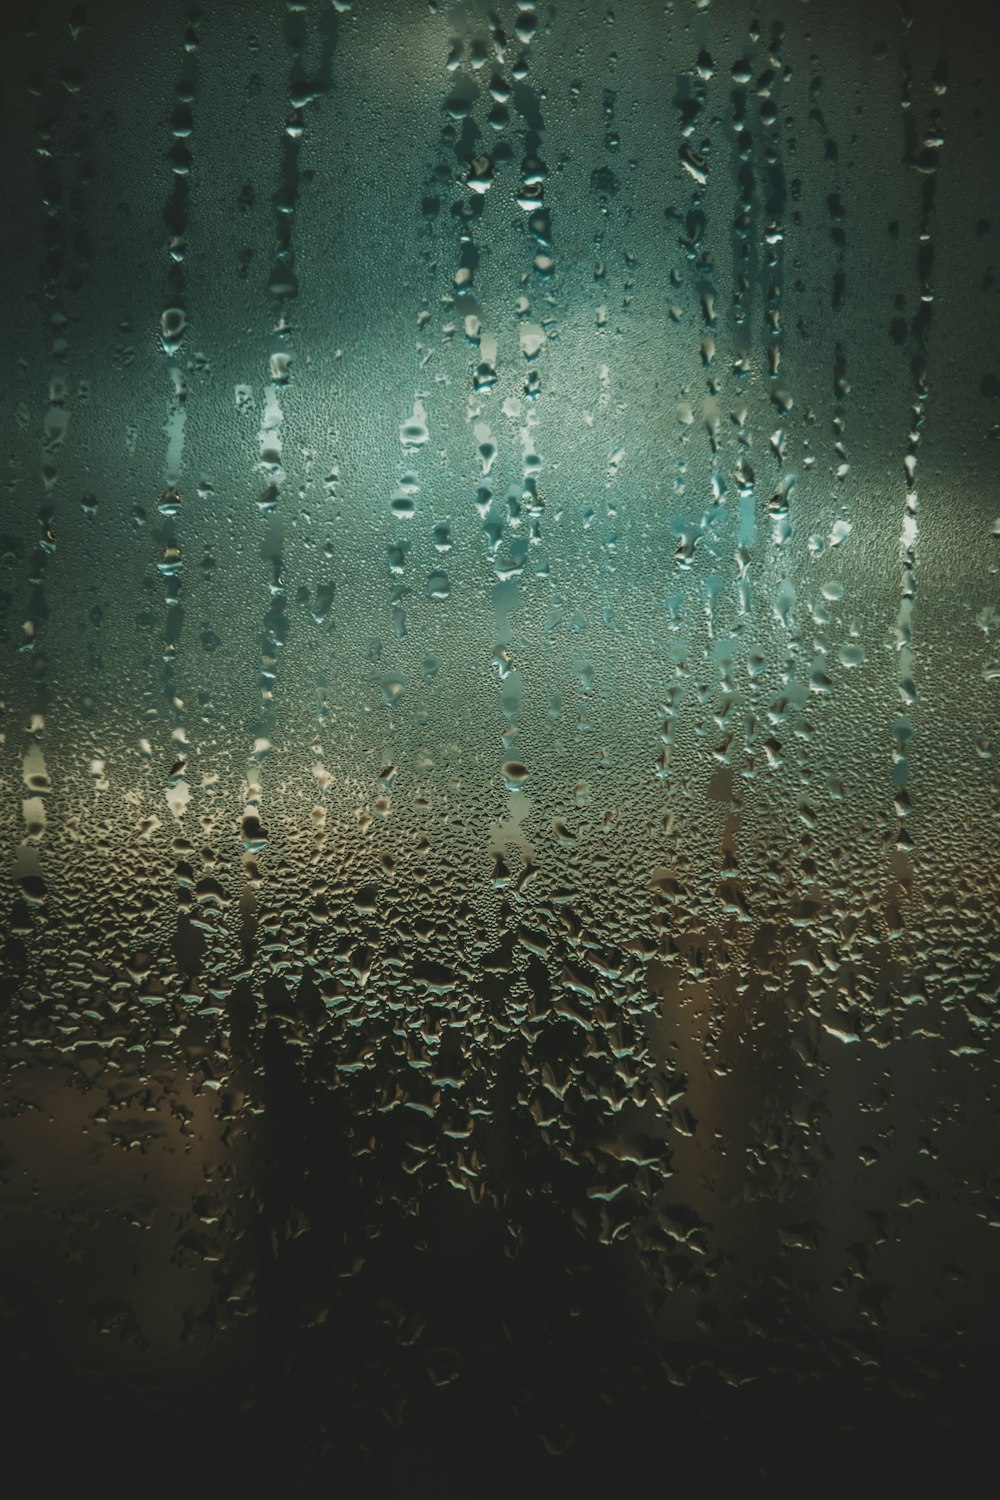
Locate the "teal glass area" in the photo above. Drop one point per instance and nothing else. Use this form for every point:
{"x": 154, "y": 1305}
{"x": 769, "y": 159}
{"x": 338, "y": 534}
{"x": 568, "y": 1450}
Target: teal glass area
{"x": 499, "y": 741}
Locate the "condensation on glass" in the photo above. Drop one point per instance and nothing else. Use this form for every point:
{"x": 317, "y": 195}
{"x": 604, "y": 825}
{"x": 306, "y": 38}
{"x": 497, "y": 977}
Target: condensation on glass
{"x": 500, "y": 667}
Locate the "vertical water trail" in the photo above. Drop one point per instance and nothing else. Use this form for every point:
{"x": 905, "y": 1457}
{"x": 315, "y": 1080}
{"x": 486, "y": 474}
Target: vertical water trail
{"x": 922, "y": 156}
{"x": 61, "y": 205}
{"x": 305, "y": 89}
{"x": 174, "y": 322}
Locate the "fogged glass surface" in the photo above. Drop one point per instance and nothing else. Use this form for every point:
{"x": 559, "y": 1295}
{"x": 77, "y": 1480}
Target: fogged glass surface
{"x": 500, "y": 669}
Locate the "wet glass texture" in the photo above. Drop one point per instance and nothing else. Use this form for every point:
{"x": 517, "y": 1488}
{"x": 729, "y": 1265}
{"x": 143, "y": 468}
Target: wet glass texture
{"x": 499, "y": 741}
